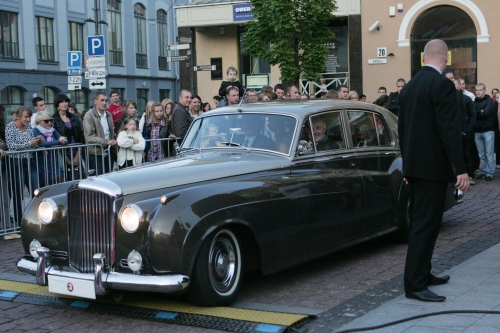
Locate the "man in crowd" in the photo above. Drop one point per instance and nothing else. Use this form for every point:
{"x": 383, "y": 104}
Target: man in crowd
{"x": 251, "y": 96}
{"x": 484, "y": 128}
{"x": 430, "y": 135}
{"x": 116, "y": 107}
{"x": 393, "y": 101}
{"x": 382, "y": 91}
{"x": 465, "y": 91}
{"x": 292, "y": 92}
{"x": 181, "y": 119}
{"x": 38, "y": 105}
{"x": 279, "y": 90}
{"x": 233, "y": 97}
{"x": 342, "y": 91}
{"x": 216, "y": 99}
{"x": 99, "y": 129}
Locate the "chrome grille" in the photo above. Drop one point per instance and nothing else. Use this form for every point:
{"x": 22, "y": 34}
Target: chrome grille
{"x": 91, "y": 228}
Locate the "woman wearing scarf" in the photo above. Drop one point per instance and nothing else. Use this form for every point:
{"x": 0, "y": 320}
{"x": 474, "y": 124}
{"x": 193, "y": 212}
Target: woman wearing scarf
{"x": 151, "y": 131}
{"x": 47, "y": 160}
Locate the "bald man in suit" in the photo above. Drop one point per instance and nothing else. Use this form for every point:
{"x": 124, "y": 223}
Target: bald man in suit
{"x": 430, "y": 135}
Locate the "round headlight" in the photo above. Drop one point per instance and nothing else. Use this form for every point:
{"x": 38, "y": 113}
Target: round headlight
{"x": 33, "y": 246}
{"x": 131, "y": 216}
{"x": 134, "y": 261}
{"x": 47, "y": 210}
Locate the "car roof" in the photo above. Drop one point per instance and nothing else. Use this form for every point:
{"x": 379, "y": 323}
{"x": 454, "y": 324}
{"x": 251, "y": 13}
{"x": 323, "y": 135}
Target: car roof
{"x": 299, "y": 107}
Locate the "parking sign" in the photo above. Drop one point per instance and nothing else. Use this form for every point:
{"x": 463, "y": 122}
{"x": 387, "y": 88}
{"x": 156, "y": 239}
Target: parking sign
{"x": 95, "y": 45}
{"x": 74, "y": 62}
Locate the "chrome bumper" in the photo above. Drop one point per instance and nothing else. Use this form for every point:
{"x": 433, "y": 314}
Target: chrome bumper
{"x": 103, "y": 281}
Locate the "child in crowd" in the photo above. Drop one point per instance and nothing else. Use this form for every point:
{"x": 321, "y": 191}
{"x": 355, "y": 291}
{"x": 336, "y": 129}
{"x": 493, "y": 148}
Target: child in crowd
{"x": 154, "y": 129}
{"x": 231, "y": 81}
{"x": 131, "y": 144}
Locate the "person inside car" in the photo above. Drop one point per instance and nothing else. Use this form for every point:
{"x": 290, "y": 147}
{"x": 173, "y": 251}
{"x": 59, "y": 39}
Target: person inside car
{"x": 322, "y": 141}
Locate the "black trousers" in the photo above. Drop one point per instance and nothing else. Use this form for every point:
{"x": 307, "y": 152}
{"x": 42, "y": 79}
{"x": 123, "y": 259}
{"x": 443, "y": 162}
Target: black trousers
{"x": 427, "y": 199}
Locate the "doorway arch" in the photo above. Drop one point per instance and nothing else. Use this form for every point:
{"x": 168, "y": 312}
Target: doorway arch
{"x": 454, "y": 26}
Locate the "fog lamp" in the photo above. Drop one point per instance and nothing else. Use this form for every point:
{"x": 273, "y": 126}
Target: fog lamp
{"x": 134, "y": 261}
{"x": 33, "y": 246}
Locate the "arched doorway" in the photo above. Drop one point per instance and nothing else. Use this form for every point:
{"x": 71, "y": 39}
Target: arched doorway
{"x": 457, "y": 29}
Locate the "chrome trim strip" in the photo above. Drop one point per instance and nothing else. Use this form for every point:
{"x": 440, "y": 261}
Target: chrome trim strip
{"x": 119, "y": 281}
{"x": 43, "y": 261}
{"x": 100, "y": 263}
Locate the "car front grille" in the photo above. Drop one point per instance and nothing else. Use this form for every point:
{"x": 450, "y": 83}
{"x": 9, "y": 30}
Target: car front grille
{"x": 91, "y": 228}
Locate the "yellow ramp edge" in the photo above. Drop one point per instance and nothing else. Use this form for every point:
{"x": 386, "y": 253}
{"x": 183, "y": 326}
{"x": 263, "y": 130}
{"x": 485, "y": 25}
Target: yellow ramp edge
{"x": 277, "y": 318}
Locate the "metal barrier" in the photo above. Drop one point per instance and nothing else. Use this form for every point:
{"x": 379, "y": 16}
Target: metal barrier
{"x": 23, "y": 171}
{"x": 113, "y": 167}
{"x": 332, "y": 81}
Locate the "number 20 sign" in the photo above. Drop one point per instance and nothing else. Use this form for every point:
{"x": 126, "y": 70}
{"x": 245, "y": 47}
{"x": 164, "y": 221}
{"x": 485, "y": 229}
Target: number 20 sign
{"x": 381, "y": 52}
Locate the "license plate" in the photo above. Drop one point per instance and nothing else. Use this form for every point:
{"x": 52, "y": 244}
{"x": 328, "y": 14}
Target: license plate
{"x": 71, "y": 287}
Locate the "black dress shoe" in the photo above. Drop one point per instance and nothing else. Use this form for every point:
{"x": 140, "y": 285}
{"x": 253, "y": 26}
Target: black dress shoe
{"x": 437, "y": 280}
{"x": 425, "y": 296}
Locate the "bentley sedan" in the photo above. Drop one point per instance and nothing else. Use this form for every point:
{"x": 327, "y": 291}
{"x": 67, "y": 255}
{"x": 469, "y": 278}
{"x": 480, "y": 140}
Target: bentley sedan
{"x": 262, "y": 186}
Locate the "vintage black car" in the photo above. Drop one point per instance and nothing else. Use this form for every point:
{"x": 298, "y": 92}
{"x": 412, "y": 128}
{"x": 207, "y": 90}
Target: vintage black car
{"x": 262, "y": 186}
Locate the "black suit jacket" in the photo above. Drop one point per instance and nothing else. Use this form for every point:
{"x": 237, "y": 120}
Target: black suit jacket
{"x": 393, "y": 102}
{"x": 430, "y": 128}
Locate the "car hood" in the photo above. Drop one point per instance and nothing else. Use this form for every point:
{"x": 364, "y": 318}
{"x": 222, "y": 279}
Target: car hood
{"x": 190, "y": 168}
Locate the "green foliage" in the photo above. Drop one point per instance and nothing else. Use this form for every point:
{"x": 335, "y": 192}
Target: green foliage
{"x": 291, "y": 34}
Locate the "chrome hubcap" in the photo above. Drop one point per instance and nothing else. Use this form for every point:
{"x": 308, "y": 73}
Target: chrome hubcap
{"x": 222, "y": 264}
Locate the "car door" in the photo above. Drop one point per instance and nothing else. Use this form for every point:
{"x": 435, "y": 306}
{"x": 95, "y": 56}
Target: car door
{"x": 331, "y": 186}
{"x": 375, "y": 155}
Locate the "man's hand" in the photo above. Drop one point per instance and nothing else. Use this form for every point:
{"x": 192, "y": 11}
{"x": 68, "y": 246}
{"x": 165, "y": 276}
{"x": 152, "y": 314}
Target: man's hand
{"x": 462, "y": 182}
{"x": 111, "y": 142}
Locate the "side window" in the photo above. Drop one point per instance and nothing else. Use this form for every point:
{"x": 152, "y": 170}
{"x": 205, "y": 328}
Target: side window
{"x": 383, "y": 137}
{"x": 363, "y": 129}
{"x": 323, "y": 132}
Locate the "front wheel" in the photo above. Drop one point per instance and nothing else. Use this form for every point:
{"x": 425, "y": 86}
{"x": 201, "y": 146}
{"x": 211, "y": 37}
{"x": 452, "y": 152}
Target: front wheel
{"x": 217, "y": 272}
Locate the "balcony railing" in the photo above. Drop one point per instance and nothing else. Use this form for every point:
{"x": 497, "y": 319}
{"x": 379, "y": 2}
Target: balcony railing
{"x": 9, "y": 50}
{"x": 162, "y": 63}
{"x": 46, "y": 52}
{"x": 141, "y": 60}
{"x": 115, "y": 58}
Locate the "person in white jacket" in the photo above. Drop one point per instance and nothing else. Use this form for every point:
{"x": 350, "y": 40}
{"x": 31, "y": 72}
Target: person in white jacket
{"x": 131, "y": 144}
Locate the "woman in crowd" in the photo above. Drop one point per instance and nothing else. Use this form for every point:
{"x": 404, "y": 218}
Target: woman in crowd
{"x": 129, "y": 111}
{"x": 152, "y": 129}
{"x": 131, "y": 143}
{"x": 47, "y": 161}
{"x": 146, "y": 115}
{"x": 264, "y": 97}
{"x": 195, "y": 106}
{"x": 22, "y": 169}
{"x": 69, "y": 126}
{"x": 168, "y": 145}
{"x": 206, "y": 107}
{"x": 353, "y": 96}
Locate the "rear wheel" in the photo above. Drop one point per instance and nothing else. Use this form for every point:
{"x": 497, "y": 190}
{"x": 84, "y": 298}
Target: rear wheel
{"x": 217, "y": 272}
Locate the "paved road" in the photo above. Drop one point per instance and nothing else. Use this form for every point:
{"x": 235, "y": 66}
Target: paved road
{"x": 327, "y": 286}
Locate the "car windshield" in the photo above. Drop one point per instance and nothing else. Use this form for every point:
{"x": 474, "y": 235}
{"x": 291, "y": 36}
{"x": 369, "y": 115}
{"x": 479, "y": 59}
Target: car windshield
{"x": 256, "y": 131}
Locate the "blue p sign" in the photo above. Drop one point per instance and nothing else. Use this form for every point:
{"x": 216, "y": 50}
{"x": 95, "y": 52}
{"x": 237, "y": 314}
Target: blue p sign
{"x": 95, "y": 45}
{"x": 74, "y": 59}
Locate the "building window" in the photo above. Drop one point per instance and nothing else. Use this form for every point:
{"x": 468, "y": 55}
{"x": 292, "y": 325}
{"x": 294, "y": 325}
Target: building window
{"x": 48, "y": 94}
{"x": 12, "y": 98}
{"x": 164, "y": 93}
{"x": 141, "y": 58}
{"x": 9, "y": 42}
{"x": 142, "y": 99}
{"x": 161, "y": 22}
{"x": 115, "y": 33}
{"x": 81, "y": 99}
{"x": 75, "y": 36}
{"x": 45, "y": 38}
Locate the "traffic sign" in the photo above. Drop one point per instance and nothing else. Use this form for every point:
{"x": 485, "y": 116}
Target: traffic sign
{"x": 74, "y": 62}
{"x": 178, "y": 47}
{"x": 95, "y": 45}
{"x": 183, "y": 40}
{"x": 97, "y": 84}
{"x": 179, "y": 58}
{"x": 94, "y": 73}
{"x": 204, "y": 68}
{"x": 95, "y": 62}
{"x": 74, "y": 86}
{"x": 74, "y": 79}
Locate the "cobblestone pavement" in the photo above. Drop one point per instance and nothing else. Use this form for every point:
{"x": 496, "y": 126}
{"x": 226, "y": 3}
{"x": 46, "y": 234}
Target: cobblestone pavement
{"x": 338, "y": 287}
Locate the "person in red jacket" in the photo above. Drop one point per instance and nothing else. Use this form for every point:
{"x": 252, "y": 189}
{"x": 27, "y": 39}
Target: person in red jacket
{"x": 116, "y": 107}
